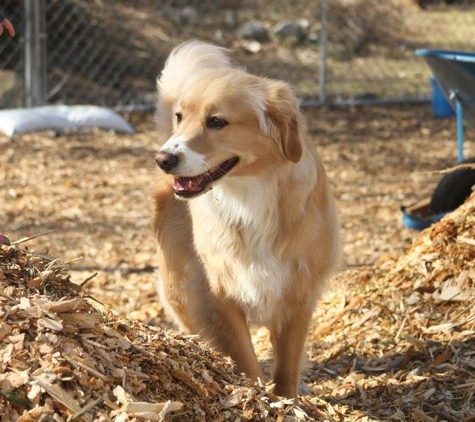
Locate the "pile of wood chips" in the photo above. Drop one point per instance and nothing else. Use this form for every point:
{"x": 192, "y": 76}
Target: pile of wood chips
{"x": 397, "y": 344}
{"x": 62, "y": 359}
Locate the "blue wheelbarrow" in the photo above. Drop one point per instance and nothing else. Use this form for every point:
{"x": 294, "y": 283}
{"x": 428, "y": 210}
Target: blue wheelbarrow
{"x": 455, "y": 74}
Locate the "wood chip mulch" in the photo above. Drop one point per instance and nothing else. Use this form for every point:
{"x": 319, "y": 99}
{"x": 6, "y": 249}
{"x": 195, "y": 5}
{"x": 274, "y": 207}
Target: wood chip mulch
{"x": 62, "y": 359}
{"x": 397, "y": 340}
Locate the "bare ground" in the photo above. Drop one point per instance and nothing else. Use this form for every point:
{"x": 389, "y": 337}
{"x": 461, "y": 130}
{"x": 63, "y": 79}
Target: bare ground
{"x": 91, "y": 196}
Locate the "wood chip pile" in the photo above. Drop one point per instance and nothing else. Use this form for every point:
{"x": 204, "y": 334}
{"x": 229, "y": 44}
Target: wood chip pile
{"x": 397, "y": 342}
{"x": 62, "y": 359}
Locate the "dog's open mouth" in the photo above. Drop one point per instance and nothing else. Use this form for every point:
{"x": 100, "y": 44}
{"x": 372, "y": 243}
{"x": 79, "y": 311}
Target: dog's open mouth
{"x": 191, "y": 186}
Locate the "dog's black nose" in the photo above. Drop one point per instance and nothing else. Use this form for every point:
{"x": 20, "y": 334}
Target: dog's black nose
{"x": 166, "y": 161}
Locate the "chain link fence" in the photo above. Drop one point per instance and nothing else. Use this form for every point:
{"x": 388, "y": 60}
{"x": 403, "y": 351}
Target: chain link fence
{"x": 109, "y": 53}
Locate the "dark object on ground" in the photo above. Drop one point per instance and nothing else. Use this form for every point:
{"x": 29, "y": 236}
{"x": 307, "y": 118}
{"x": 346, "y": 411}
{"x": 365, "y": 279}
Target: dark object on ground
{"x": 453, "y": 189}
{"x": 451, "y": 192}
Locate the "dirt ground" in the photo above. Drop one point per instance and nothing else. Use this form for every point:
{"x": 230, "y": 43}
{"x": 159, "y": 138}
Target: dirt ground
{"x": 88, "y": 197}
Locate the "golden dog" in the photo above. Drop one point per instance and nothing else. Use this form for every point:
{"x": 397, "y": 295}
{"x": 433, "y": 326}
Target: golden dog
{"x": 257, "y": 236}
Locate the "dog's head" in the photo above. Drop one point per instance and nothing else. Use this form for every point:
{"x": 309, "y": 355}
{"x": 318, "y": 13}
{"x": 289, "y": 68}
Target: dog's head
{"x": 230, "y": 123}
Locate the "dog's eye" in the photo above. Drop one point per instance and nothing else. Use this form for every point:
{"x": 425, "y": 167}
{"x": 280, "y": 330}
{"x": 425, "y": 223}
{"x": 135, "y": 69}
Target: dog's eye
{"x": 215, "y": 122}
{"x": 179, "y": 116}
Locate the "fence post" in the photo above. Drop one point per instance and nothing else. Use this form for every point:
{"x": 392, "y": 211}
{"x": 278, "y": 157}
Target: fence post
{"x": 29, "y": 56}
{"x": 35, "y": 52}
{"x": 322, "y": 76}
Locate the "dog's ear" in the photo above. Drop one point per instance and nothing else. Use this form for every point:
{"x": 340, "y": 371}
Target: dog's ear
{"x": 283, "y": 111}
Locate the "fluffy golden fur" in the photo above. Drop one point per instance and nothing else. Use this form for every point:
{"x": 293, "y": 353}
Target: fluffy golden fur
{"x": 257, "y": 236}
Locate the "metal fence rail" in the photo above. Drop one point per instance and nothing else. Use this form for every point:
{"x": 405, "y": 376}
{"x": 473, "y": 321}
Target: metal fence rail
{"x": 109, "y": 53}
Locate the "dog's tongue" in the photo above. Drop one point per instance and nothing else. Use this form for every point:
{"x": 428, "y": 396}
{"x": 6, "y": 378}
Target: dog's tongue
{"x": 189, "y": 184}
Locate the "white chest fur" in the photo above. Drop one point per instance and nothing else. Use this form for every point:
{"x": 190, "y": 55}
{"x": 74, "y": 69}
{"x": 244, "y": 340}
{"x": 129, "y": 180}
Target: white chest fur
{"x": 236, "y": 227}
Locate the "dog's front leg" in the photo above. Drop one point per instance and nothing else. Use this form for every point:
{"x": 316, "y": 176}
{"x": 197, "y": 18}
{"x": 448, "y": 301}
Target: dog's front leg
{"x": 229, "y": 333}
{"x": 183, "y": 285}
{"x": 288, "y": 342}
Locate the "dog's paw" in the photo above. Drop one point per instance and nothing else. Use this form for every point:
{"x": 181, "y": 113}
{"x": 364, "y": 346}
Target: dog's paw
{"x": 304, "y": 389}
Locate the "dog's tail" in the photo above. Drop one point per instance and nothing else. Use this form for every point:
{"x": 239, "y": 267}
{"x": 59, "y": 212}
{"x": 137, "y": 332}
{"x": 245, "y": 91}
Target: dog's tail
{"x": 182, "y": 67}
